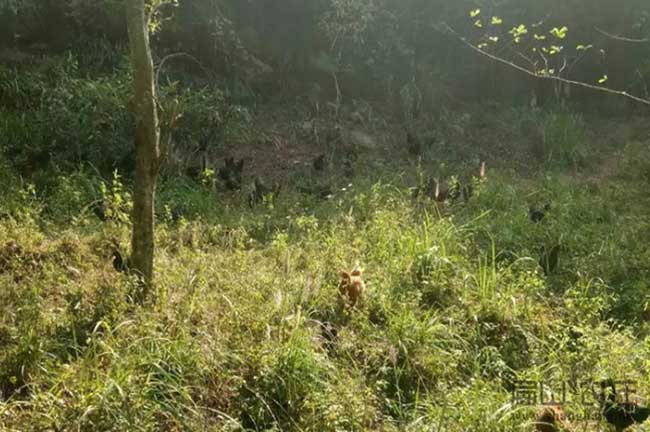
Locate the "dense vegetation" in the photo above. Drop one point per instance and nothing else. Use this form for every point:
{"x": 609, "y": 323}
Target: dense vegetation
{"x": 344, "y": 113}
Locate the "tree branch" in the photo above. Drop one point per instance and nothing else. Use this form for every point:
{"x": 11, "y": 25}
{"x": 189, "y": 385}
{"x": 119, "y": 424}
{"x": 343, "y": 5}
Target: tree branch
{"x": 534, "y": 74}
{"x": 177, "y": 55}
{"x": 621, "y": 38}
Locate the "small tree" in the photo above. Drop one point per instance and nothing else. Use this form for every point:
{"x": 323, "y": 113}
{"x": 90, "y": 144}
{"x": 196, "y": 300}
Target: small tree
{"x": 147, "y": 140}
{"x": 537, "y": 51}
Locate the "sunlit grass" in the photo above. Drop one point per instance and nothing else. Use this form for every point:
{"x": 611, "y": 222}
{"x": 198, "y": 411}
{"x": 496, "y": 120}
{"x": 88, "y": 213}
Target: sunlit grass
{"x": 247, "y": 332}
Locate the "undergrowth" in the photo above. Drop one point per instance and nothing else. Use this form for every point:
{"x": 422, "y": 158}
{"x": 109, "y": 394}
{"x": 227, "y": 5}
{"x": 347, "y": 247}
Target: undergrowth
{"x": 247, "y": 333}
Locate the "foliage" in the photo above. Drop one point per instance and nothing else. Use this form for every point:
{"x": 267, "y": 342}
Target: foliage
{"x": 56, "y": 116}
{"x": 242, "y": 335}
{"x": 248, "y": 332}
{"x": 64, "y": 118}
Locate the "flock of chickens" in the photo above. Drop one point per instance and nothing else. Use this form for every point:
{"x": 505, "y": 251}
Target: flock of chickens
{"x": 351, "y": 288}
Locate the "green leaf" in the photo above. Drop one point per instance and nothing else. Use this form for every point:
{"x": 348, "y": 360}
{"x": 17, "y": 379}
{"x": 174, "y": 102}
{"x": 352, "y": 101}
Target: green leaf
{"x": 584, "y": 47}
{"x": 603, "y": 80}
{"x": 496, "y": 20}
{"x": 518, "y": 31}
{"x": 559, "y": 33}
{"x": 475, "y": 13}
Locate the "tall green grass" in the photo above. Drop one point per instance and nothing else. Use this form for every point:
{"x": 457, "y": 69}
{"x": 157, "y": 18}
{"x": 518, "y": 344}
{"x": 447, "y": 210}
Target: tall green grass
{"x": 247, "y": 332}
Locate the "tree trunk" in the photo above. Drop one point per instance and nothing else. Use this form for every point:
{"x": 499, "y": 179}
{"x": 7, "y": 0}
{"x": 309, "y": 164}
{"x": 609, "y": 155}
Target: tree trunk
{"x": 147, "y": 141}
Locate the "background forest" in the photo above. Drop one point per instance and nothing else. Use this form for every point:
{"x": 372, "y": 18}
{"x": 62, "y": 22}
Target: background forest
{"x": 312, "y": 135}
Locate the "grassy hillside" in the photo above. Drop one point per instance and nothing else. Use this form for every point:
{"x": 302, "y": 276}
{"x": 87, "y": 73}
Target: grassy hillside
{"x": 247, "y": 331}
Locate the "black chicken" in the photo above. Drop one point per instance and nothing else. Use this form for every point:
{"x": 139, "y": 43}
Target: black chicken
{"x": 413, "y": 144}
{"x": 348, "y": 169}
{"x": 537, "y": 215}
{"x": 176, "y": 213}
{"x": 231, "y": 173}
{"x": 98, "y": 209}
{"x": 549, "y": 259}
{"x": 257, "y": 194}
{"x": 319, "y": 163}
{"x": 120, "y": 264}
{"x": 621, "y": 415}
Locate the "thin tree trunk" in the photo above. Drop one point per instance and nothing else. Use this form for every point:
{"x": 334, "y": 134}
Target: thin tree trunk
{"x": 147, "y": 141}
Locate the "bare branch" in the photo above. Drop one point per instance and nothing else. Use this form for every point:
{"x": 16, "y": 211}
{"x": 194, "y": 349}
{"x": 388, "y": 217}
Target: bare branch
{"x": 645, "y": 85}
{"x": 177, "y": 55}
{"x": 549, "y": 77}
{"x": 621, "y": 38}
{"x": 564, "y": 66}
{"x": 532, "y": 63}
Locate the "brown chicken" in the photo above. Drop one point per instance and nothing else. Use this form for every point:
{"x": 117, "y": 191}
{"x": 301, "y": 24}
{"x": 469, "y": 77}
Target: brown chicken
{"x": 549, "y": 419}
{"x": 351, "y": 286}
